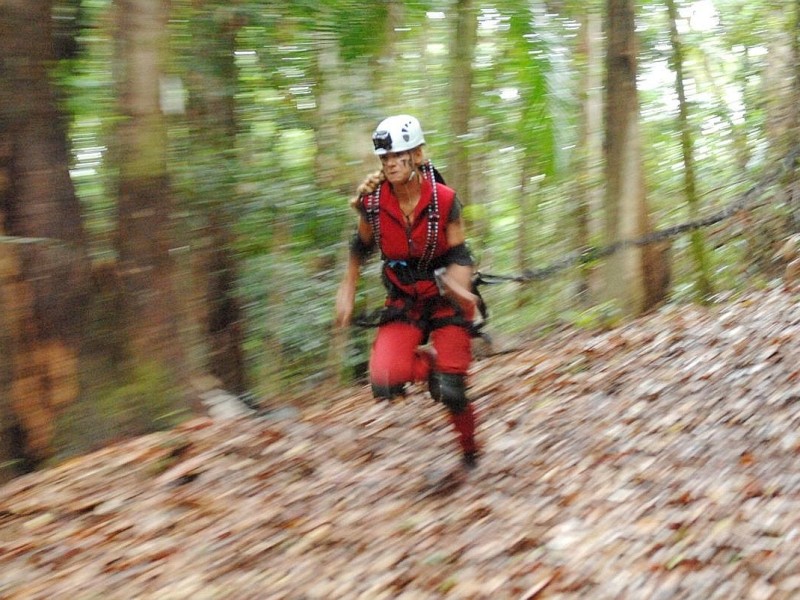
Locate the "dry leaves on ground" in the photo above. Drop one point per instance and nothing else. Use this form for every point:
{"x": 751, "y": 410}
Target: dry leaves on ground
{"x": 657, "y": 460}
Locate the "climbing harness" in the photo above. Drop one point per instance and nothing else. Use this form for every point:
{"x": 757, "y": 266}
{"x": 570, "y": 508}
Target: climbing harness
{"x": 409, "y": 271}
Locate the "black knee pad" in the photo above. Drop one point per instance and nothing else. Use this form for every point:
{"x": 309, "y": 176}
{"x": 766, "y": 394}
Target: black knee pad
{"x": 388, "y": 391}
{"x": 449, "y": 389}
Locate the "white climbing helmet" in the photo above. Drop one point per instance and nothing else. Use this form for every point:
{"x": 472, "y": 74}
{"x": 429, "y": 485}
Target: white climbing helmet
{"x": 397, "y": 134}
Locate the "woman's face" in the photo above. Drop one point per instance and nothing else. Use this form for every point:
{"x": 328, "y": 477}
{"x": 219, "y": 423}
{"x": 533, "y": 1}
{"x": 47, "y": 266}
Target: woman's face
{"x": 398, "y": 166}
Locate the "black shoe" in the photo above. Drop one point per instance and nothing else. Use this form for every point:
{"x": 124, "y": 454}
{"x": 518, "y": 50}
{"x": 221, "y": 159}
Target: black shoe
{"x": 470, "y": 459}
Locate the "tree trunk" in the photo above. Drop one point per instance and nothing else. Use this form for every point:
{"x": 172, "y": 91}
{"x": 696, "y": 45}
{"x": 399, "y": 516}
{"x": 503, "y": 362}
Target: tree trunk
{"x": 388, "y": 86}
{"x": 589, "y": 159}
{"x": 528, "y": 223}
{"x": 794, "y": 181}
{"x": 329, "y": 77}
{"x": 225, "y": 319}
{"x": 796, "y": 74}
{"x": 43, "y": 259}
{"x": 214, "y": 126}
{"x": 779, "y": 98}
{"x": 273, "y": 369}
{"x": 463, "y": 48}
{"x": 144, "y": 205}
{"x": 626, "y": 207}
{"x": 702, "y": 284}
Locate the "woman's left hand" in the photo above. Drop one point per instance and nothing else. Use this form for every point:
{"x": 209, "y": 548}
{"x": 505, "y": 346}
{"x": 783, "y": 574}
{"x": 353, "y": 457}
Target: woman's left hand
{"x": 457, "y": 283}
{"x": 371, "y": 183}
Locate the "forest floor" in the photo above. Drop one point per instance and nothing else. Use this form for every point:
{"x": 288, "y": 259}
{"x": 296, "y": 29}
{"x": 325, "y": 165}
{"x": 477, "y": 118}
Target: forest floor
{"x": 660, "y": 459}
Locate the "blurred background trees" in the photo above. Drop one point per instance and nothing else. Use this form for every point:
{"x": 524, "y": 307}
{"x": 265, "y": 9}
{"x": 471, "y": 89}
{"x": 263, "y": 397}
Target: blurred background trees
{"x": 174, "y": 179}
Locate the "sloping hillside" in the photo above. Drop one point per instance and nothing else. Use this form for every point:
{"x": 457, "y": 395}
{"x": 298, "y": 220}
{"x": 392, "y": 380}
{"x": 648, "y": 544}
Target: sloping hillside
{"x": 658, "y": 460}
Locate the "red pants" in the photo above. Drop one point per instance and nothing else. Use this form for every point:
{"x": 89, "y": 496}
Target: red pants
{"x": 396, "y": 359}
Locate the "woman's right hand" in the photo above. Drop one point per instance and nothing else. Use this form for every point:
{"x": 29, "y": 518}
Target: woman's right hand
{"x": 345, "y": 302}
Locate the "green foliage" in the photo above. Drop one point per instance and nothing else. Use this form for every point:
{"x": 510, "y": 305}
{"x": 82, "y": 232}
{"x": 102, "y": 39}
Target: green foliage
{"x": 360, "y": 28}
{"x": 120, "y": 404}
{"x": 146, "y": 402}
{"x": 603, "y": 316}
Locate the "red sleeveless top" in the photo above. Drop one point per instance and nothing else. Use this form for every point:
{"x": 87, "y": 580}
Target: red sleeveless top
{"x": 404, "y": 246}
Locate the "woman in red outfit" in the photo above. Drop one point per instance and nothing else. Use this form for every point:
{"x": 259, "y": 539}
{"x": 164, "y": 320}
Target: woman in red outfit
{"x": 414, "y": 220}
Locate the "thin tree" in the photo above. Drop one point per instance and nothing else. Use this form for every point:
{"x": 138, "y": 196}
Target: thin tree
{"x": 461, "y": 76}
{"x": 634, "y": 276}
{"x": 589, "y": 151}
{"x": 784, "y": 105}
{"x": 212, "y": 117}
{"x": 533, "y": 133}
{"x": 794, "y": 184}
{"x": 389, "y": 87}
{"x": 144, "y": 203}
{"x": 702, "y": 283}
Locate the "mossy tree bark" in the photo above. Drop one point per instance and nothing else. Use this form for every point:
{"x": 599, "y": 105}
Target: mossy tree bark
{"x": 461, "y": 77}
{"x": 589, "y": 152}
{"x": 702, "y": 282}
{"x": 43, "y": 258}
{"x": 627, "y": 276}
{"x": 144, "y": 201}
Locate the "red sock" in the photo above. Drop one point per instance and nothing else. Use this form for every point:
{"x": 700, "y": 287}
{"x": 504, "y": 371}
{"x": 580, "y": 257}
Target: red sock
{"x": 464, "y": 424}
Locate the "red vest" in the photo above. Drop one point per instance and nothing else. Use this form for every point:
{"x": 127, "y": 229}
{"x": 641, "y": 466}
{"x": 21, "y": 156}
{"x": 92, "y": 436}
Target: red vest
{"x": 402, "y": 246}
